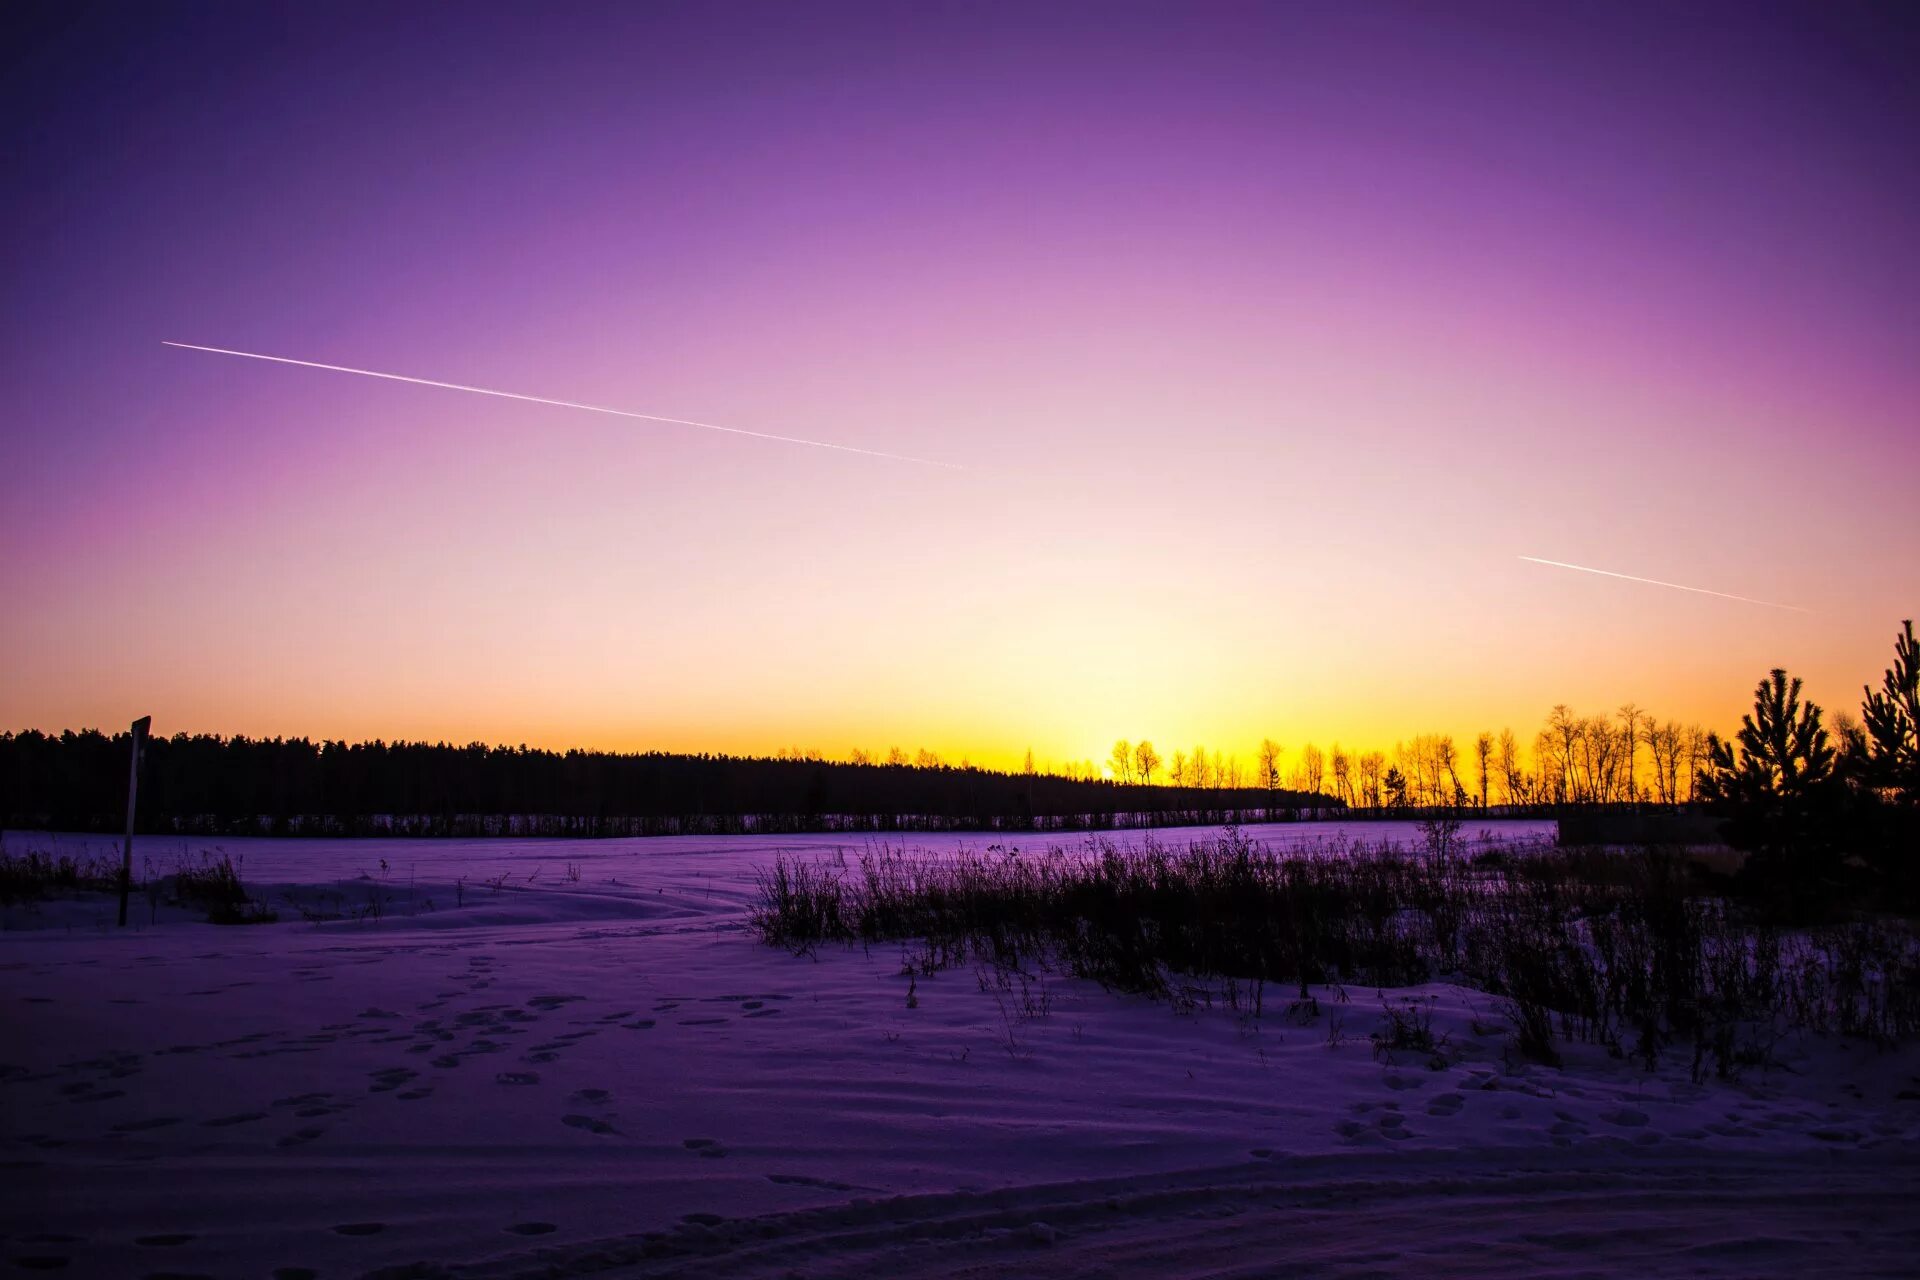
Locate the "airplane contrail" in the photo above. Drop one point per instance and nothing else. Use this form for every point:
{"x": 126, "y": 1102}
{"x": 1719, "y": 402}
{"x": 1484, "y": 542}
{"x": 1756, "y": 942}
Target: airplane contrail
{"x": 1655, "y": 582}
{"x": 569, "y": 404}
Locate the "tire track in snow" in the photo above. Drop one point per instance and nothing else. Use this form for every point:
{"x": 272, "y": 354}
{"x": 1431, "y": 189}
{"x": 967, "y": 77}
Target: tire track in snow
{"x": 1489, "y": 1214}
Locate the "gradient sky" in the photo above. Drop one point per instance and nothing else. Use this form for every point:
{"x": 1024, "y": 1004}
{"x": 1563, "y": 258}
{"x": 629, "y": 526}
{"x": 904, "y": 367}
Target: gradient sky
{"x": 1269, "y": 337}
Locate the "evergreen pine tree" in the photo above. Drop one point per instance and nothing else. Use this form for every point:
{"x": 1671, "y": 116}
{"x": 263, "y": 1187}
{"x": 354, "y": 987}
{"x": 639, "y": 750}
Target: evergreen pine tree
{"x": 1890, "y": 769}
{"x": 1892, "y": 719}
{"x": 1776, "y": 786}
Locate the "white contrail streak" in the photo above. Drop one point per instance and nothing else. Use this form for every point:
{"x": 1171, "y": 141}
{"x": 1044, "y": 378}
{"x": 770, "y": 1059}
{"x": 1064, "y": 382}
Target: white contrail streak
{"x": 1655, "y": 582}
{"x": 570, "y": 404}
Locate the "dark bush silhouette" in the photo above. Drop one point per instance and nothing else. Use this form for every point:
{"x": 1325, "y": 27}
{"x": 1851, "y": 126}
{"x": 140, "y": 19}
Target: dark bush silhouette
{"x": 1636, "y": 952}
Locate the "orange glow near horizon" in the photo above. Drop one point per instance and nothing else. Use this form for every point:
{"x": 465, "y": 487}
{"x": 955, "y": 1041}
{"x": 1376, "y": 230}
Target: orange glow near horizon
{"x": 1001, "y": 698}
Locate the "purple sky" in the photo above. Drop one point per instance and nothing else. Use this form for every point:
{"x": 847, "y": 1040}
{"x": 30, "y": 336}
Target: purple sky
{"x": 1269, "y": 336}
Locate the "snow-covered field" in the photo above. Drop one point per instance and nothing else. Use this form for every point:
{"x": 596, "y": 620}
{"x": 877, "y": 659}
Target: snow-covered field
{"x": 590, "y": 1067}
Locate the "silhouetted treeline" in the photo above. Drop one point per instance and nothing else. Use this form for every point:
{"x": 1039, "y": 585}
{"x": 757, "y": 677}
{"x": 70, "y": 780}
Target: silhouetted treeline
{"x": 208, "y": 785}
{"x": 1826, "y": 819}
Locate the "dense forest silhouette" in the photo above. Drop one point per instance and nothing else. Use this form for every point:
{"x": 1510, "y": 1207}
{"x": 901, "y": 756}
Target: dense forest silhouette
{"x": 209, "y": 785}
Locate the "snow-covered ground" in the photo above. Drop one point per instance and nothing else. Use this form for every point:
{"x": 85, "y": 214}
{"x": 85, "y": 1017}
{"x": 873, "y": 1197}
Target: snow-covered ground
{"x": 590, "y": 1067}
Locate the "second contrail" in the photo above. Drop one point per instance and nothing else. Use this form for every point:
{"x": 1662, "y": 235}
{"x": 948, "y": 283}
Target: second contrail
{"x": 569, "y": 404}
{"x": 1655, "y": 582}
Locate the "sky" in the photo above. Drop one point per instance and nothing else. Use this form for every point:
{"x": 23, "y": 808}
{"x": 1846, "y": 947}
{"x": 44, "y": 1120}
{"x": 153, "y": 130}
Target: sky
{"x": 1259, "y": 344}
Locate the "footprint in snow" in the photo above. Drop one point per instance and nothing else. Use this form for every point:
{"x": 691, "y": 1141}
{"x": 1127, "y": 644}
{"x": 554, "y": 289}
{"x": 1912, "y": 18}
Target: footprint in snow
{"x": 391, "y": 1078}
{"x": 588, "y": 1123}
{"x": 532, "y": 1228}
{"x": 360, "y": 1228}
{"x": 245, "y": 1117}
{"x": 802, "y": 1180}
{"x": 709, "y": 1147}
{"x": 141, "y": 1126}
{"x": 301, "y": 1099}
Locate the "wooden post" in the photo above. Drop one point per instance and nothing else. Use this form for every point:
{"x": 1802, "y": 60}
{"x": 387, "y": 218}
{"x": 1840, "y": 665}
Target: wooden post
{"x": 133, "y": 792}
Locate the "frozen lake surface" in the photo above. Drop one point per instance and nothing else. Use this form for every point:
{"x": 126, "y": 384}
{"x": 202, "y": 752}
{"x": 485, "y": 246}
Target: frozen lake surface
{"x": 564, "y": 1057}
{"x": 300, "y": 861}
